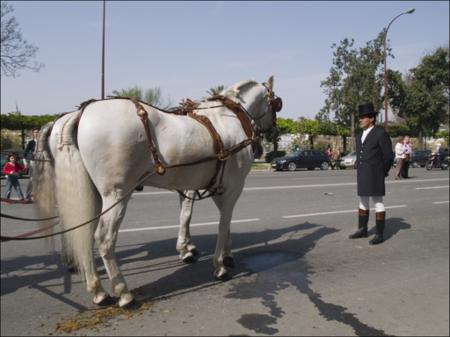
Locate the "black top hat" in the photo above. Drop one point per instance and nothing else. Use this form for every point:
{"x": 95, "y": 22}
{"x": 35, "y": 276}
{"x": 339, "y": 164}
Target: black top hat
{"x": 367, "y": 110}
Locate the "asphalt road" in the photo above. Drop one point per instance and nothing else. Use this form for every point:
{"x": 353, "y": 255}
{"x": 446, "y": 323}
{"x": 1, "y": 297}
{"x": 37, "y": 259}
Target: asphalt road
{"x": 297, "y": 273}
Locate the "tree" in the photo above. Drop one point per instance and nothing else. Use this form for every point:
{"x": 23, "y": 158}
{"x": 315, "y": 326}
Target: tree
{"x": 215, "y": 90}
{"x": 151, "y": 96}
{"x": 286, "y": 125}
{"x": 16, "y": 53}
{"x": 425, "y": 107}
{"x": 355, "y": 78}
{"x": 310, "y": 127}
{"x": 17, "y": 121}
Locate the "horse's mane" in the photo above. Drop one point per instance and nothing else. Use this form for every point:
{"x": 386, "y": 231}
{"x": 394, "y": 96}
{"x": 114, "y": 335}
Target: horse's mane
{"x": 239, "y": 87}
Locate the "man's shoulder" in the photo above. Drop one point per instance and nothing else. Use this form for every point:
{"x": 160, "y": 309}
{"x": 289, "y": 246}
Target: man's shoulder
{"x": 380, "y": 131}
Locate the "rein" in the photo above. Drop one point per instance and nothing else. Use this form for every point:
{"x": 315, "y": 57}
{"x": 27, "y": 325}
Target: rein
{"x": 25, "y": 236}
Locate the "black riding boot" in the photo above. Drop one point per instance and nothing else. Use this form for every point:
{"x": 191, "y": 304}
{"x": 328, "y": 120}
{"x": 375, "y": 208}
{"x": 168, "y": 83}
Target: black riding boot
{"x": 380, "y": 220}
{"x": 363, "y": 219}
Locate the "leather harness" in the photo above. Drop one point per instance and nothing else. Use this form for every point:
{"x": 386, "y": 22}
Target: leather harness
{"x": 188, "y": 109}
{"x": 221, "y": 153}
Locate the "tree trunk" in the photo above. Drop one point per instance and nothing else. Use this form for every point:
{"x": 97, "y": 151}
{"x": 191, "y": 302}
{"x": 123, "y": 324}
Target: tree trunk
{"x": 344, "y": 144}
{"x": 353, "y": 130}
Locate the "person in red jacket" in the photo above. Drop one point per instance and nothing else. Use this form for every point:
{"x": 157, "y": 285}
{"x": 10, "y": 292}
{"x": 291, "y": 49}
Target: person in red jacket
{"x": 11, "y": 170}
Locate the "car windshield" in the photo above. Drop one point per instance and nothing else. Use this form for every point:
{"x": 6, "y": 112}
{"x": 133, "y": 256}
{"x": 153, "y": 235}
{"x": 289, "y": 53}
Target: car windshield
{"x": 297, "y": 153}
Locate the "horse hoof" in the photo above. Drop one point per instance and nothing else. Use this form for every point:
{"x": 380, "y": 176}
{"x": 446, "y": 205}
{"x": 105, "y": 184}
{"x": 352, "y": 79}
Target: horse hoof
{"x": 125, "y": 300}
{"x": 223, "y": 274}
{"x": 104, "y": 299}
{"x": 228, "y": 261}
{"x": 188, "y": 258}
{"x": 194, "y": 251}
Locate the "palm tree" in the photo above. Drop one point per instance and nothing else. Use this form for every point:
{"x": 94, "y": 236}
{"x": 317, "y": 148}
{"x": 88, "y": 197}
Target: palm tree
{"x": 151, "y": 96}
{"x": 215, "y": 90}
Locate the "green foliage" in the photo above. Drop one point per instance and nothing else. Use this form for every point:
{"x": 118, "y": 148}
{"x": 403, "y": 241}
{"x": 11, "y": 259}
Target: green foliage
{"x": 16, "y": 121}
{"x": 420, "y": 98}
{"x": 273, "y": 137}
{"x": 425, "y": 106}
{"x": 342, "y": 130}
{"x": 309, "y": 127}
{"x": 353, "y": 79}
{"x": 396, "y": 130}
{"x": 151, "y": 96}
{"x": 215, "y": 90}
{"x": 443, "y": 134}
{"x": 274, "y": 154}
{"x": 327, "y": 128}
{"x": 8, "y": 142}
{"x": 286, "y": 125}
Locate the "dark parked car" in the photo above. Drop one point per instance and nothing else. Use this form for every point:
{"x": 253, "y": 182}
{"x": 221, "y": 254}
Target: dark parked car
{"x": 309, "y": 159}
{"x": 419, "y": 158}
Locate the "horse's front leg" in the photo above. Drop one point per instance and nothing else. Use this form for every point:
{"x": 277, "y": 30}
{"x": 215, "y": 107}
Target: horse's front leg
{"x": 223, "y": 259}
{"x": 185, "y": 247}
{"x": 106, "y": 237}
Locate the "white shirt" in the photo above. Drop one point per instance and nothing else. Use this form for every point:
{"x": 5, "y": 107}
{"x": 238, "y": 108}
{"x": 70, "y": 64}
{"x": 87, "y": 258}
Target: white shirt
{"x": 364, "y": 134}
{"x": 400, "y": 151}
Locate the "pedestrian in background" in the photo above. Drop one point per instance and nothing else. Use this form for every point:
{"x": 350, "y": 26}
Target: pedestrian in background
{"x": 374, "y": 160}
{"x": 11, "y": 170}
{"x": 408, "y": 153}
{"x": 400, "y": 156}
{"x": 29, "y": 150}
{"x": 328, "y": 153}
{"x": 335, "y": 159}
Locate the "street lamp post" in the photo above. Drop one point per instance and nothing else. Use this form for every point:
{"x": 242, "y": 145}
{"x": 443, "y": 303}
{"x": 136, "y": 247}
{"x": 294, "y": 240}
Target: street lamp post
{"x": 102, "y": 89}
{"x": 409, "y": 11}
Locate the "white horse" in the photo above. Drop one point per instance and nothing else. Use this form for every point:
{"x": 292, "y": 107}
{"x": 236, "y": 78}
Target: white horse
{"x": 102, "y": 151}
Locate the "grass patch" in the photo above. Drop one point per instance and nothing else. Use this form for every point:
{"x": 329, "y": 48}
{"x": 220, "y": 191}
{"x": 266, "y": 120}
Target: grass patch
{"x": 260, "y": 166}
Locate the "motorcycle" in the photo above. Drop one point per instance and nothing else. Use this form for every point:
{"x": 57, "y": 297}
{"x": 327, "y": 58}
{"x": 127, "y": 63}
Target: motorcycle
{"x": 435, "y": 162}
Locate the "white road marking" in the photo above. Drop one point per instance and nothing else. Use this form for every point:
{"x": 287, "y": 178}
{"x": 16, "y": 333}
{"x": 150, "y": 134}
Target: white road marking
{"x": 334, "y": 212}
{"x": 288, "y": 187}
{"x": 192, "y": 225}
{"x": 430, "y": 187}
{"x": 441, "y": 202}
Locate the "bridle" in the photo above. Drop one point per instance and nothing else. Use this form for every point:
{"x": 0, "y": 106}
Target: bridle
{"x": 275, "y": 102}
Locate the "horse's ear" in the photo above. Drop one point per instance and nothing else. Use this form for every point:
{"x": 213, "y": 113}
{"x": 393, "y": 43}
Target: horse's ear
{"x": 270, "y": 82}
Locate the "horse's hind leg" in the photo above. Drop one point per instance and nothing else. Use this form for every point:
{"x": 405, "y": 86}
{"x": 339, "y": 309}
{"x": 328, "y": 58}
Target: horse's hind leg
{"x": 185, "y": 247}
{"x": 106, "y": 238}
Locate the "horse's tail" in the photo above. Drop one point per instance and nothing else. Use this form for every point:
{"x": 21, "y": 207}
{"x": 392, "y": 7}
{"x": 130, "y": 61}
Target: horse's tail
{"x": 78, "y": 199}
{"x": 43, "y": 178}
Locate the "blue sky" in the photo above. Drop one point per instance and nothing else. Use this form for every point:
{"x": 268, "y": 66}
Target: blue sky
{"x": 185, "y": 48}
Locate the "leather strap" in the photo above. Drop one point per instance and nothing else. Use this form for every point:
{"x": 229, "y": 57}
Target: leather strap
{"x": 239, "y": 112}
{"x": 218, "y": 144}
{"x": 143, "y": 115}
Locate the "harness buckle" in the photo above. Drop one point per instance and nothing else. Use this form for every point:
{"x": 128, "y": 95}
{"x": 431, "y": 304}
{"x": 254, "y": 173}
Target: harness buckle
{"x": 223, "y": 155}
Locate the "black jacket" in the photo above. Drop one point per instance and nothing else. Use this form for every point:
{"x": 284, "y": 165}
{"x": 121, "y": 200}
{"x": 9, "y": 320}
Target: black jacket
{"x": 374, "y": 160}
{"x": 29, "y": 149}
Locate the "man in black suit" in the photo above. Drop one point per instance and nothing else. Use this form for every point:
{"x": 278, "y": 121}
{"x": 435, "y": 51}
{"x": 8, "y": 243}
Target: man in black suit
{"x": 374, "y": 159}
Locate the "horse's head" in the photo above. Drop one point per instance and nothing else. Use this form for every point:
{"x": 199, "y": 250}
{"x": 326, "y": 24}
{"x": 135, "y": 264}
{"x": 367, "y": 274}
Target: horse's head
{"x": 260, "y": 102}
{"x": 275, "y": 102}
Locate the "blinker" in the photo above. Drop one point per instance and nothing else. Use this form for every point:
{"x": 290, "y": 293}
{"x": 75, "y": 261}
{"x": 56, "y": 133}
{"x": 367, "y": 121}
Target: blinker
{"x": 277, "y": 104}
